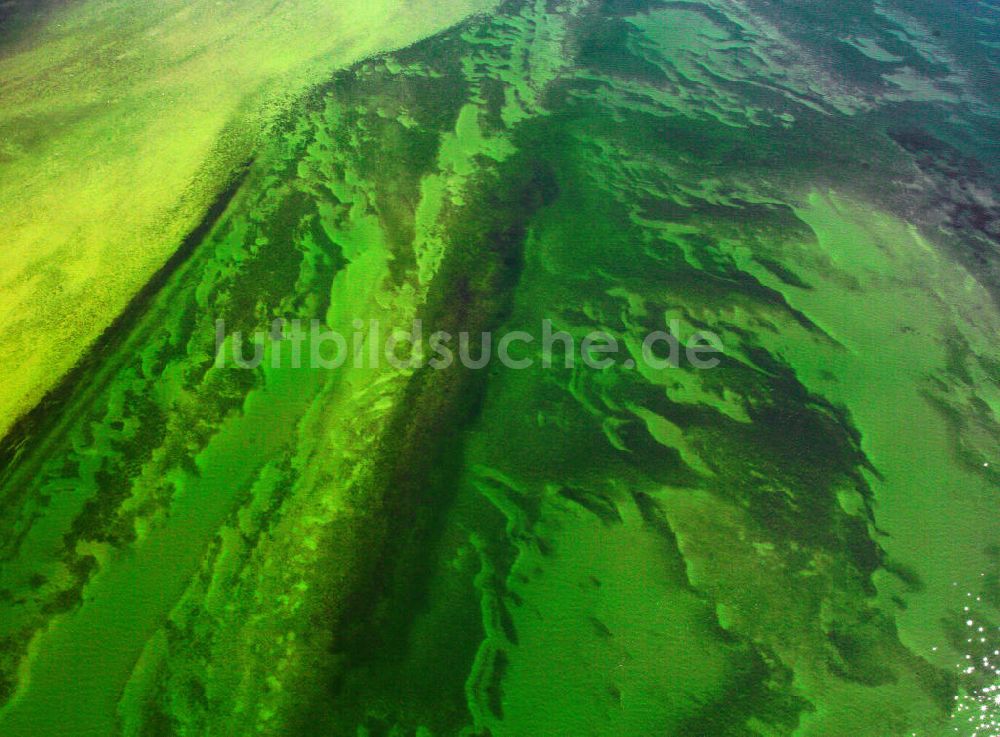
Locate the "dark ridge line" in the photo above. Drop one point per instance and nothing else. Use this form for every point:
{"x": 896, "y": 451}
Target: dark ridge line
{"x": 47, "y": 411}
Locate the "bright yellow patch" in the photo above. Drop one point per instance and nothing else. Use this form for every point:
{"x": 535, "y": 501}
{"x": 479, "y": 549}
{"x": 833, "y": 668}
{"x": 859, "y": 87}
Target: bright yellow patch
{"x": 120, "y": 121}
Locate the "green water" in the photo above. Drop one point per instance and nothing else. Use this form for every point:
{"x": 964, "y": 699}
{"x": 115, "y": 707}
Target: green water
{"x": 791, "y": 543}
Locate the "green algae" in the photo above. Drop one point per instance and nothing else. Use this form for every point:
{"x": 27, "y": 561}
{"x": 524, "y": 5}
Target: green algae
{"x": 776, "y": 546}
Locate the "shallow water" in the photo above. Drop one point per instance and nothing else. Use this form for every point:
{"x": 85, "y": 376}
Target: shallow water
{"x": 791, "y": 543}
